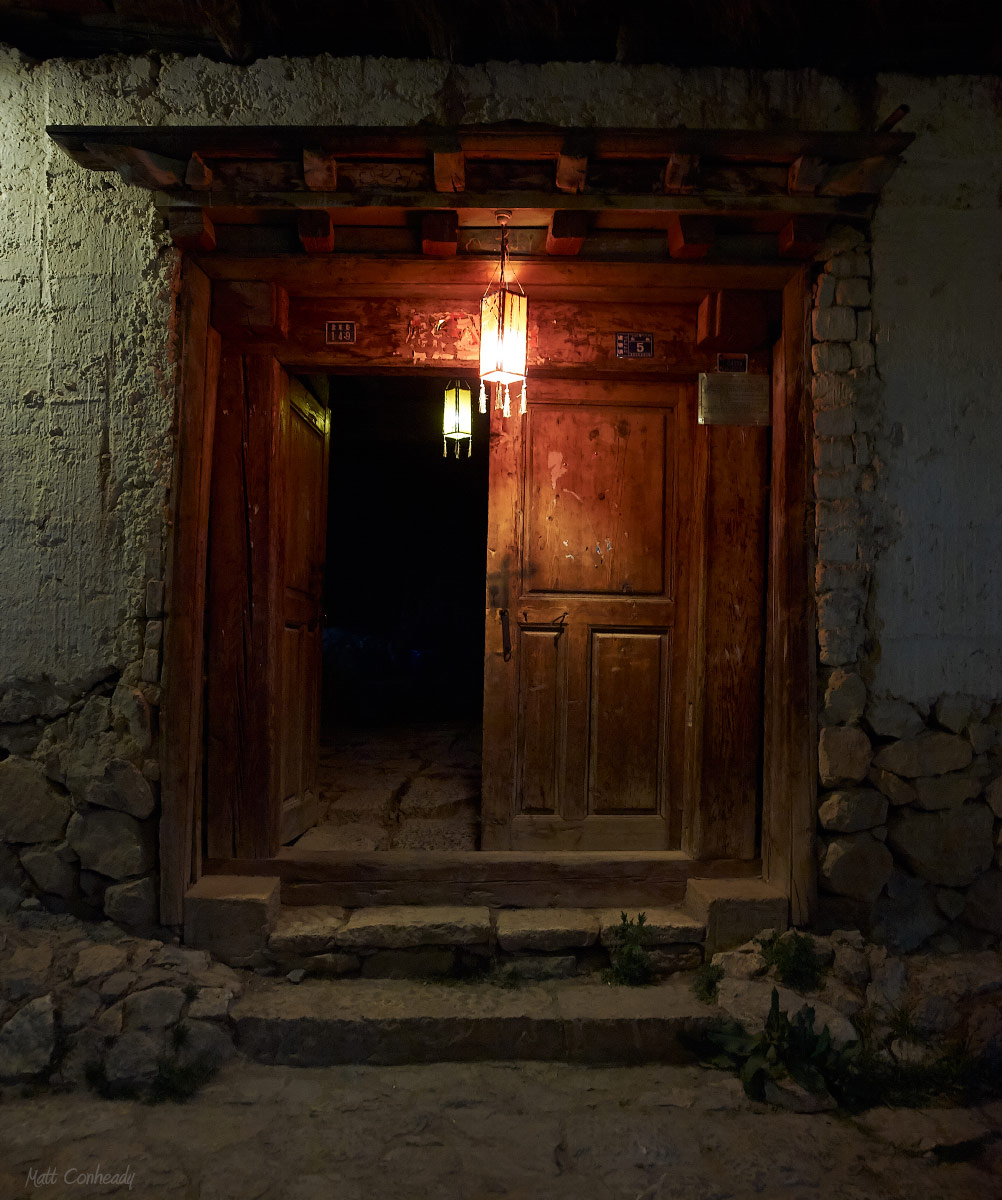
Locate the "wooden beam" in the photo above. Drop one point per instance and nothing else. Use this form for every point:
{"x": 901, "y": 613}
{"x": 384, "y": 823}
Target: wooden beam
{"x": 191, "y": 229}
{"x": 319, "y": 170}
{"x": 863, "y": 178}
{"x": 449, "y": 169}
{"x": 805, "y": 174}
{"x": 680, "y": 173}
{"x": 259, "y": 309}
{"x": 689, "y": 237}
{"x": 230, "y": 27}
{"x": 439, "y": 234}
{"x": 181, "y": 732}
{"x": 572, "y": 163}
{"x": 566, "y": 232}
{"x": 197, "y": 174}
{"x": 801, "y": 237}
{"x": 732, "y": 321}
{"x": 316, "y": 231}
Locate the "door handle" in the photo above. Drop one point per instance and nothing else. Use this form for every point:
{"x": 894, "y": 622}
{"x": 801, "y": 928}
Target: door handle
{"x": 505, "y": 633}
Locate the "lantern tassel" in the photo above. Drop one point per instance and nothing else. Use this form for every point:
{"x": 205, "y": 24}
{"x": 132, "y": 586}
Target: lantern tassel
{"x": 483, "y": 397}
{"x": 521, "y": 407}
{"x": 507, "y": 401}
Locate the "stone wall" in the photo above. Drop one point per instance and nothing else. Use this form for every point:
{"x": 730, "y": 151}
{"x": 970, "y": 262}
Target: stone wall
{"x": 911, "y": 830}
{"x": 909, "y": 579}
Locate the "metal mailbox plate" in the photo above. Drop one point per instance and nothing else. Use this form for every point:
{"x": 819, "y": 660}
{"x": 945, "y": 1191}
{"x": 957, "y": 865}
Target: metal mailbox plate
{"x": 731, "y": 399}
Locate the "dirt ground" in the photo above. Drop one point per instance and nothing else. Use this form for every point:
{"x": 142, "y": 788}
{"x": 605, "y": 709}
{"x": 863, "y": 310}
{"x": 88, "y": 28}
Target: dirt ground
{"x": 530, "y": 1131}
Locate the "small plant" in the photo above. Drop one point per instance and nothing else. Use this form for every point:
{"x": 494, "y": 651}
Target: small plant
{"x": 902, "y": 1026}
{"x": 797, "y": 963}
{"x": 706, "y": 983}
{"x": 631, "y": 964}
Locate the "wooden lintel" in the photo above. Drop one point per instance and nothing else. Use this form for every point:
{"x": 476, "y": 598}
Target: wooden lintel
{"x": 449, "y": 169}
{"x": 439, "y": 233}
{"x": 198, "y": 174}
{"x": 680, "y": 173}
{"x": 805, "y": 175}
{"x": 319, "y": 170}
{"x": 251, "y": 308}
{"x": 801, "y": 237}
{"x": 566, "y": 232}
{"x": 732, "y": 321}
{"x": 191, "y": 229}
{"x": 689, "y": 236}
{"x": 316, "y": 231}
{"x": 866, "y": 177}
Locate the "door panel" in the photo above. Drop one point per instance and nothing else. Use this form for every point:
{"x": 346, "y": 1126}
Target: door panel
{"x": 306, "y": 436}
{"x": 582, "y": 727}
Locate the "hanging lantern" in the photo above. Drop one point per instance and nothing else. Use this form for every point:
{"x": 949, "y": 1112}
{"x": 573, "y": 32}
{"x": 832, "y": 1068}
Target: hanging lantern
{"x": 457, "y": 422}
{"x": 503, "y": 331}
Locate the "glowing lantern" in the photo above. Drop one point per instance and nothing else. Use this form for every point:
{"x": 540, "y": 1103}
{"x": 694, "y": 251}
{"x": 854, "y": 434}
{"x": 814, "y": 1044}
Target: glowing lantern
{"x": 457, "y": 422}
{"x": 503, "y": 331}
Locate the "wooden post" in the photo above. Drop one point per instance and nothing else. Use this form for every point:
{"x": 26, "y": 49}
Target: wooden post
{"x": 789, "y": 813}
{"x": 566, "y": 232}
{"x": 181, "y": 747}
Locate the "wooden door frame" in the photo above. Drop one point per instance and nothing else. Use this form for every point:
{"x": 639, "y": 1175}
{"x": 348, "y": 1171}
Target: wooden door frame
{"x": 790, "y": 718}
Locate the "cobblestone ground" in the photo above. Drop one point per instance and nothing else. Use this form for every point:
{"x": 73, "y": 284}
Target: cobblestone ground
{"x": 525, "y": 1132}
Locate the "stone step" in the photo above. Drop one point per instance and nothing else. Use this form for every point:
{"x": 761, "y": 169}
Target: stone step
{"x": 735, "y": 910}
{"x": 388, "y": 1022}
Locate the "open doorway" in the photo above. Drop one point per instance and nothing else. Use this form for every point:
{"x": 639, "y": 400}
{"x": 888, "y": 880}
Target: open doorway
{"x": 403, "y": 630}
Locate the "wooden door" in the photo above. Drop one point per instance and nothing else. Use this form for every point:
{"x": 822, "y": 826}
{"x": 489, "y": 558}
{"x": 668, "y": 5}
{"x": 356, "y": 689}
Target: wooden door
{"x": 585, "y": 645}
{"x": 263, "y": 619}
{"x": 305, "y": 437}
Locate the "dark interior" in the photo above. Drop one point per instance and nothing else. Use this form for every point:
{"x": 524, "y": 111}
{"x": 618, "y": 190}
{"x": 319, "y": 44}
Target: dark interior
{"x": 406, "y": 551}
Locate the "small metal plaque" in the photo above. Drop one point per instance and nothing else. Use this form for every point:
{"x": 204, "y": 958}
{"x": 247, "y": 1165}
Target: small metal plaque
{"x": 634, "y": 345}
{"x": 735, "y": 363}
{"x": 729, "y": 399}
{"x": 340, "y": 332}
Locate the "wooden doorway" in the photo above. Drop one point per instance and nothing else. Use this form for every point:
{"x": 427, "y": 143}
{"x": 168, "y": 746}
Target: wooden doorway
{"x": 682, "y": 802}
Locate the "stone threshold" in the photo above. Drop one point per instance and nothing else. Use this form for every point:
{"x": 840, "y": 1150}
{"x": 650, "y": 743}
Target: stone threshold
{"x": 386, "y": 1022}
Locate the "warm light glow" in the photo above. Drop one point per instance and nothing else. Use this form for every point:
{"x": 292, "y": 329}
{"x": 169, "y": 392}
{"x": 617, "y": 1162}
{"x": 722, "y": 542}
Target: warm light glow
{"x": 457, "y": 420}
{"x": 503, "y": 336}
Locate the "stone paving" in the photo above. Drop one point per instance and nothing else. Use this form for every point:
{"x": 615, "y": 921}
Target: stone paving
{"x": 524, "y": 1132}
{"x": 407, "y": 788}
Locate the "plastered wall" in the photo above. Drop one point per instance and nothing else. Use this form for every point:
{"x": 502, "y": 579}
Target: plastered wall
{"x": 86, "y": 378}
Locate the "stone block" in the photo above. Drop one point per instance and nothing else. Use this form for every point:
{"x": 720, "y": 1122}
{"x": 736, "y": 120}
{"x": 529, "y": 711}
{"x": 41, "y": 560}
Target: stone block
{"x": 97, "y": 961}
{"x": 546, "y": 928}
{"x": 362, "y": 838}
{"x": 857, "y": 866}
{"x": 946, "y": 791}
{"x": 862, "y": 354}
{"x": 952, "y": 847}
{"x": 733, "y": 911}
{"x": 846, "y": 266}
{"x": 993, "y": 795}
{"x": 894, "y": 788}
{"x": 845, "y": 697}
{"x": 983, "y": 906}
{"x": 122, "y": 788}
{"x": 954, "y": 713}
{"x": 834, "y": 324}
{"x": 417, "y": 962}
{"x": 28, "y": 1041}
{"x": 31, "y": 810}
{"x": 133, "y": 1060}
{"x": 983, "y": 736}
{"x": 907, "y": 914}
{"x": 834, "y": 423}
{"x": 844, "y": 754}
{"x": 831, "y": 356}
{"x": 926, "y": 754}
{"x": 154, "y": 598}
{"x": 836, "y": 485}
{"x": 153, "y": 1009}
{"x": 419, "y": 834}
{"x": 662, "y": 926}
{"x": 111, "y": 843}
{"x": 232, "y": 916}
{"x": 135, "y": 904}
{"x": 854, "y": 291}
{"x": 306, "y": 929}
{"x": 833, "y": 453}
{"x": 838, "y": 545}
{"x": 893, "y": 718}
{"x": 864, "y": 325}
{"x": 52, "y": 868}
{"x": 749, "y": 1001}
{"x": 824, "y": 291}
{"x": 852, "y": 810}
{"x": 439, "y": 794}
{"x": 399, "y": 926}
